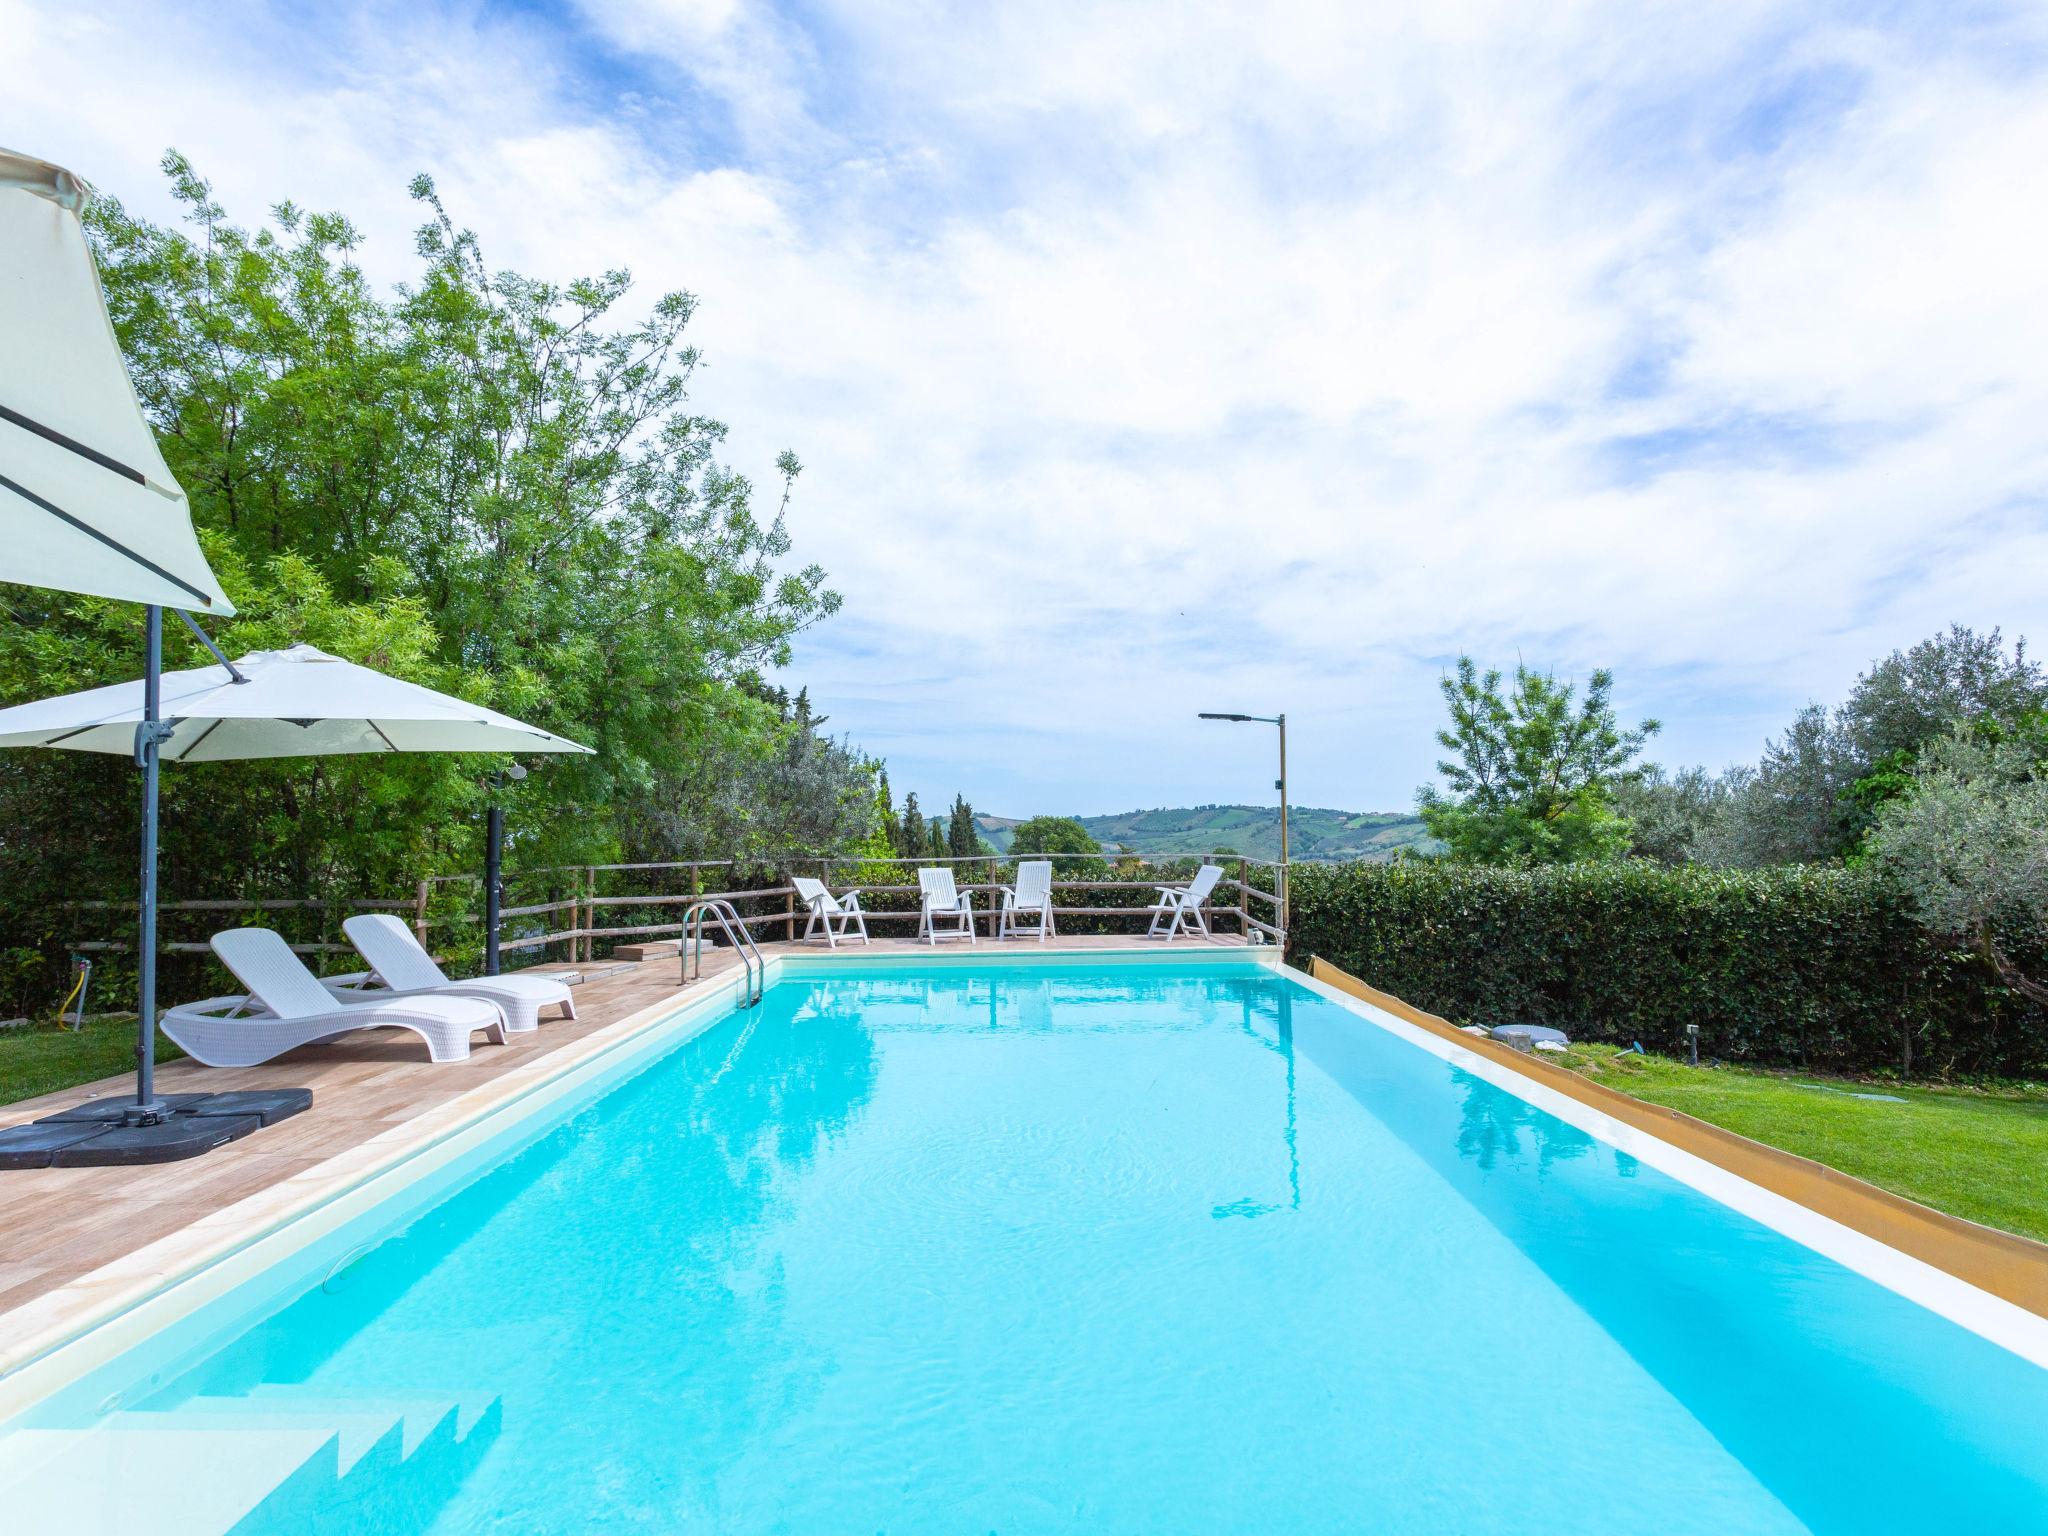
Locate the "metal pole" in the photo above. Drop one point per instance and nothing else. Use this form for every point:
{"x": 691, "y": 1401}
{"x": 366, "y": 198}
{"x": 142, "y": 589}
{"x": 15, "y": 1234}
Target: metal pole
{"x": 192, "y": 624}
{"x": 147, "y": 1109}
{"x": 494, "y": 844}
{"x": 1283, "y": 823}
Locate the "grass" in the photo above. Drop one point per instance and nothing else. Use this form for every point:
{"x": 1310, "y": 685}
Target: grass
{"x": 42, "y": 1058}
{"x": 1976, "y": 1152}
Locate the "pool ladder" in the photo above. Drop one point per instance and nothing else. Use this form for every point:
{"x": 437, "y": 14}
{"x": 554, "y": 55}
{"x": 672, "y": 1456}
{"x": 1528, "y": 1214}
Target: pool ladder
{"x": 735, "y": 929}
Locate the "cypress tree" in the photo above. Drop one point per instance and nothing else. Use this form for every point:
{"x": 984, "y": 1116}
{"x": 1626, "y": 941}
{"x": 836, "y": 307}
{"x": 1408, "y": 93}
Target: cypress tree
{"x": 961, "y": 836}
{"x": 892, "y": 829}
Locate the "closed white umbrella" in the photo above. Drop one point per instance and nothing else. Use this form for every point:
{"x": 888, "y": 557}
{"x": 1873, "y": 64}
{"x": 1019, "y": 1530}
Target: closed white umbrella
{"x": 299, "y": 702}
{"x": 86, "y": 502}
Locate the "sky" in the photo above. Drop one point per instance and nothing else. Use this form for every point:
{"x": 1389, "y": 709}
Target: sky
{"x": 1150, "y": 359}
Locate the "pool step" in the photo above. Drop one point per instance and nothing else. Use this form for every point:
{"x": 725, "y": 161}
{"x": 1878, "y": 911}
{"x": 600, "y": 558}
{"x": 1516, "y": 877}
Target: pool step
{"x": 401, "y": 1478}
{"x": 168, "y": 1481}
{"x": 357, "y": 1434}
{"x": 281, "y": 1458}
{"x": 654, "y": 949}
{"x": 423, "y": 1414}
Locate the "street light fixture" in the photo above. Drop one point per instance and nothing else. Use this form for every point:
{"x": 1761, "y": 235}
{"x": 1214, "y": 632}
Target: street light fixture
{"x": 1279, "y": 784}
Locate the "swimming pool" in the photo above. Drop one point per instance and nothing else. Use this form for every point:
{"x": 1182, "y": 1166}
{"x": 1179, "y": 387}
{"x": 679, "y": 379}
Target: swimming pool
{"x": 1074, "y": 1246}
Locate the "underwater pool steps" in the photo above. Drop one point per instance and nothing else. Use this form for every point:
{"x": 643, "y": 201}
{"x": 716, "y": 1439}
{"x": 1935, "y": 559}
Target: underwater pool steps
{"x": 282, "y": 1458}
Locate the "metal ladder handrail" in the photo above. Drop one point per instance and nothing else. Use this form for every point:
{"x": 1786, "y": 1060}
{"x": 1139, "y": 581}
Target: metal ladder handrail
{"x": 692, "y": 949}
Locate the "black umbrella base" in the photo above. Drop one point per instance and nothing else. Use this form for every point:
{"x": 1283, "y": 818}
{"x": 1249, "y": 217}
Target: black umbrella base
{"x": 95, "y": 1135}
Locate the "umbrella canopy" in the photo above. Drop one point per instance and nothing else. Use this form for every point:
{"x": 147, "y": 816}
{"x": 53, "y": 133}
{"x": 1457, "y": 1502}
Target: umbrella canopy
{"x": 86, "y": 501}
{"x": 299, "y": 702}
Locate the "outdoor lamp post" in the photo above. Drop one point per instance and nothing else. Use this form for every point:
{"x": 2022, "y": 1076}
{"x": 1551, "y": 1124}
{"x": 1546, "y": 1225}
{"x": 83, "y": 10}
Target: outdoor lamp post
{"x": 1279, "y": 784}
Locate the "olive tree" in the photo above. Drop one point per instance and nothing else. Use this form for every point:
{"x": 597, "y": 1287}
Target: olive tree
{"x": 1969, "y": 846}
{"x": 1818, "y": 789}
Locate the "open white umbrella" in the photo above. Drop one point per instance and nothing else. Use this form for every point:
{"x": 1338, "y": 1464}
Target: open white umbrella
{"x": 299, "y": 702}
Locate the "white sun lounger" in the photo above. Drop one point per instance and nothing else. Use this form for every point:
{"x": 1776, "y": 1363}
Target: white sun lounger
{"x": 294, "y": 1010}
{"x": 1179, "y": 907}
{"x": 828, "y": 909}
{"x": 943, "y": 903}
{"x": 1032, "y": 893}
{"x": 399, "y": 967}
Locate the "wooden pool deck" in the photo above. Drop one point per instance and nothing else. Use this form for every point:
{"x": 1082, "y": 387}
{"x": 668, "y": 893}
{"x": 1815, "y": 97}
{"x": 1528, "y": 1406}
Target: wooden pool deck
{"x": 60, "y": 1225}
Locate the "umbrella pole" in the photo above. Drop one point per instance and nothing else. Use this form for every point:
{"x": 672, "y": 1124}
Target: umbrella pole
{"x": 148, "y": 1109}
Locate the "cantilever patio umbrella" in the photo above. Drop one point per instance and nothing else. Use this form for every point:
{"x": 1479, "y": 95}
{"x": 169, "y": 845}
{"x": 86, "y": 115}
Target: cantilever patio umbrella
{"x": 86, "y": 501}
{"x": 299, "y": 702}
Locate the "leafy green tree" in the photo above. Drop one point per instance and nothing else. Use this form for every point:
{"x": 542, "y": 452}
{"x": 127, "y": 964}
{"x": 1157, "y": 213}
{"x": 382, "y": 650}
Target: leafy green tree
{"x": 1531, "y": 775}
{"x": 1668, "y": 813}
{"x": 1052, "y": 834}
{"x": 936, "y": 845}
{"x": 490, "y": 483}
{"x": 1969, "y": 846}
{"x": 1818, "y": 789}
{"x": 1914, "y": 697}
{"x": 807, "y": 795}
{"x": 1075, "y": 852}
{"x": 1790, "y": 807}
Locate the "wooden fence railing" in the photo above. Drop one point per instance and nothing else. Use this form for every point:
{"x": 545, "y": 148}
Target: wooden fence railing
{"x": 584, "y": 917}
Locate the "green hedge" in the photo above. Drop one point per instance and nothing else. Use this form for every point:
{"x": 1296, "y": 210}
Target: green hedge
{"x": 1805, "y": 966}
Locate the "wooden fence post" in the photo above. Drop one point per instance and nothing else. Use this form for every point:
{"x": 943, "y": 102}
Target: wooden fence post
{"x": 419, "y": 913}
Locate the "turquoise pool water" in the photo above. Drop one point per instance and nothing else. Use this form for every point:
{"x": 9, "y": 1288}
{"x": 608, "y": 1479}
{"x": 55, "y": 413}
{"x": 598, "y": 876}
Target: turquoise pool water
{"x": 1108, "y": 1249}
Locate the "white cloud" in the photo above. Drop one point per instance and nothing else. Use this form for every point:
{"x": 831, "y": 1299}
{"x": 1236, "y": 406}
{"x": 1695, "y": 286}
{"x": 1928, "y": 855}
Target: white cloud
{"x": 1162, "y": 358}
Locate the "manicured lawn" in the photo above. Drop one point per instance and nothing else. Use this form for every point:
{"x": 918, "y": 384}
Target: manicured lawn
{"x": 1980, "y": 1153}
{"x": 41, "y": 1058}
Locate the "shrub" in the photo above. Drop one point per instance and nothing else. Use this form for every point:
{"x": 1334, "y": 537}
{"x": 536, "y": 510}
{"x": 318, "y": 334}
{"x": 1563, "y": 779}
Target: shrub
{"x": 1813, "y": 966}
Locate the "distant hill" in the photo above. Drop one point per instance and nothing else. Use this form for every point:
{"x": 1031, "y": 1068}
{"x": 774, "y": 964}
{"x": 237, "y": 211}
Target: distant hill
{"x": 1248, "y": 829}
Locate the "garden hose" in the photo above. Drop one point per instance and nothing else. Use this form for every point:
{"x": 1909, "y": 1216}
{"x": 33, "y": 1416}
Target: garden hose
{"x": 81, "y": 972}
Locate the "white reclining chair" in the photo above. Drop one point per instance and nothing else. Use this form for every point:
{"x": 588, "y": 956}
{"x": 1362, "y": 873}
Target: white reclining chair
{"x": 399, "y": 967}
{"x": 293, "y": 1009}
{"x": 1032, "y": 893}
{"x": 1179, "y": 907}
{"x": 942, "y": 901}
{"x": 828, "y": 909}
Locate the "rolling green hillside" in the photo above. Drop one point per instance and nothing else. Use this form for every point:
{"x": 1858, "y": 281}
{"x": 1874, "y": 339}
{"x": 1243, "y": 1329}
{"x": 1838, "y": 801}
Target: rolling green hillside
{"x": 1249, "y": 829}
